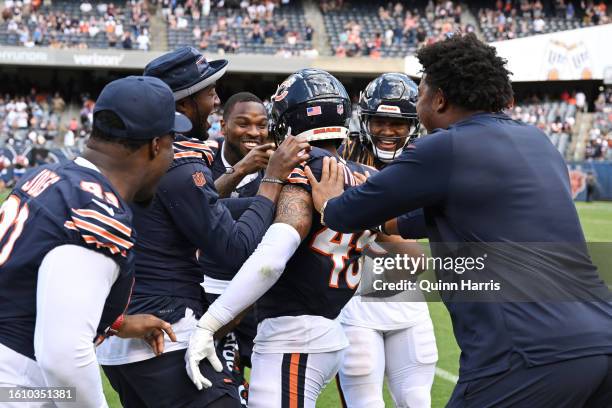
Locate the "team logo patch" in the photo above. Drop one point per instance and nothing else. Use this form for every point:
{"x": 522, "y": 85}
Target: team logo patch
{"x": 198, "y": 178}
{"x": 340, "y": 109}
{"x": 313, "y": 111}
{"x": 281, "y": 95}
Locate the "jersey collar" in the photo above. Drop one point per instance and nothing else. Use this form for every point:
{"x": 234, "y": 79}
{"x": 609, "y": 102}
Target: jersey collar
{"x": 83, "y": 162}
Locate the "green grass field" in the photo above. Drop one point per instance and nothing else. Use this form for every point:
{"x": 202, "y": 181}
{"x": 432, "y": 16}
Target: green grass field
{"x": 596, "y": 219}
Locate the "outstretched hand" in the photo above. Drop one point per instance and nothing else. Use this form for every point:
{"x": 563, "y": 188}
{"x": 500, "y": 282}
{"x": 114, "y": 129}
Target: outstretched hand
{"x": 288, "y": 155}
{"x": 331, "y": 184}
{"x": 149, "y": 328}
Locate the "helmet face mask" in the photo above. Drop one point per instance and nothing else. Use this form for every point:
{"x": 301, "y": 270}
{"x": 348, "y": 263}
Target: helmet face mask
{"x": 387, "y": 136}
{"x": 310, "y": 103}
{"x": 388, "y": 119}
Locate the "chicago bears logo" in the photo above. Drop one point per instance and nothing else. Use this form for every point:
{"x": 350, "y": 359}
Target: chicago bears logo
{"x": 198, "y": 178}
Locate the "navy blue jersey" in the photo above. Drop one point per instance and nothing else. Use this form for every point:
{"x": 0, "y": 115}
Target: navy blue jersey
{"x": 212, "y": 268}
{"x": 54, "y": 205}
{"x": 322, "y": 275}
{"x": 185, "y": 216}
{"x": 490, "y": 179}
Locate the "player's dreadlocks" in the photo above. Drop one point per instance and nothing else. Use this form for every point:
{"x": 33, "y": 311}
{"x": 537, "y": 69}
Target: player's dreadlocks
{"x": 354, "y": 150}
{"x": 469, "y": 73}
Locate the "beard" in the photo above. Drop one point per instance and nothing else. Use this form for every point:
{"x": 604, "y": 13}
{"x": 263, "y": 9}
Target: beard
{"x": 197, "y": 133}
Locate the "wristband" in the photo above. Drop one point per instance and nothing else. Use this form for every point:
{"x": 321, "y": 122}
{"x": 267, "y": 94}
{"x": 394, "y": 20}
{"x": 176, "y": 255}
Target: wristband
{"x": 117, "y": 324}
{"x": 272, "y": 180}
{"x": 322, "y": 211}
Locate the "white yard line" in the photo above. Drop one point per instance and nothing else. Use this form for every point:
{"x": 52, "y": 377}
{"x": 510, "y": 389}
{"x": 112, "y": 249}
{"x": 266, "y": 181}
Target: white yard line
{"x": 445, "y": 375}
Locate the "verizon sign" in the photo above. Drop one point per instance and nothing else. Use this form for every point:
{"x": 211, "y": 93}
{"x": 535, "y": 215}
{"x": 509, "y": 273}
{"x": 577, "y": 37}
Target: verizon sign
{"x": 98, "y": 60}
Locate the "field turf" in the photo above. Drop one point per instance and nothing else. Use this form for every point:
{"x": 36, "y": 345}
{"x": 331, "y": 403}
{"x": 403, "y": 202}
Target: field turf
{"x": 596, "y": 219}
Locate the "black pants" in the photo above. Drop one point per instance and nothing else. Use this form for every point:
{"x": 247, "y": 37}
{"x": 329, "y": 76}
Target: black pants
{"x": 582, "y": 382}
{"x": 163, "y": 382}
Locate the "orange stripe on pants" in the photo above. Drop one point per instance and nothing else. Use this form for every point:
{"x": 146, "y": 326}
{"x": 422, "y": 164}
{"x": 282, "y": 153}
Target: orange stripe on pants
{"x": 293, "y": 380}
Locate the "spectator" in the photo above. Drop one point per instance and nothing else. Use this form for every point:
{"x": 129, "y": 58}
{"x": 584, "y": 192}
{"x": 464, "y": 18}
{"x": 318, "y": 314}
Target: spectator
{"x": 309, "y": 32}
{"x": 143, "y": 40}
{"x": 69, "y": 138}
{"x": 538, "y": 25}
{"x": 256, "y": 35}
{"x": 74, "y": 125}
{"x": 580, "y": 101}
{"x": 126, "y": 43}
{"x": 388, "y": 37}
{"x": 58, "y": 104}
{"x": 86, "y": 7}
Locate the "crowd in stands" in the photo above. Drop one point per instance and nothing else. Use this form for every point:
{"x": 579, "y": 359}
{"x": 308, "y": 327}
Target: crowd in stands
{"x": 278, "y": 27}
{"x": 72, "y": 24}
{"x": 260, "y": 26}
{"x": 506, "y": 20}
{"x": 40, "y": 119}
{"x": 599, "y": 145}
{"x": 555, "y": 118}
{"x": 36, "y": 129}
{"x": 391, "y": 30}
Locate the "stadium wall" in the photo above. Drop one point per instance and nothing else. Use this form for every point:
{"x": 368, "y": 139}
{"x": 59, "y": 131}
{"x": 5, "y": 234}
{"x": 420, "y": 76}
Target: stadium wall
{"x": 239, "y": 63}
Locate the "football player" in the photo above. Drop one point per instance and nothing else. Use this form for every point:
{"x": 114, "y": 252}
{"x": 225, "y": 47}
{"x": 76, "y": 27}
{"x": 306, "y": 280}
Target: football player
{"x": 302, "y": 273}
{"x": 237, "y": 169}
{"x": 66, "y": 239}
{"x": 184, "y": 217}
{"x": 394, "y": 337}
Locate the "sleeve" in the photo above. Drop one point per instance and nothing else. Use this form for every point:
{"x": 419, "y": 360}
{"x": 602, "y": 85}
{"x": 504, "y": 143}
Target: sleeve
{"x": 412, "y": 225}
{"x": 69, "y": 306}
{"x": 417, "y": 179}
{"x": 297, "y": 177}
{"x": 100, "y": 226}
{"x": 237, "y": 206}
{"x": 189, "y": 195}
{"x": 258, "y": 274}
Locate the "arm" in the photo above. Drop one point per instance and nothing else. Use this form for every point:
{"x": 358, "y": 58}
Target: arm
{"x": 417, "y": 179}
{"x": 265, "y": 266}
{"x": 237, "y": 206}
{"x": 197, "y": 212}
{"x": 226, "y": 183}
{"x": 255, "y": 160}
{"x": 69, "y": 303}
{"x": 411, "y": 225}
{"x": 258, "y": 274}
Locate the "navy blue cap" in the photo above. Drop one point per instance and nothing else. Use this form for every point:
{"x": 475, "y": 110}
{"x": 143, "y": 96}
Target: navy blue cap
{"x": 144, "y": 104}
{"x": 186, "y": 71}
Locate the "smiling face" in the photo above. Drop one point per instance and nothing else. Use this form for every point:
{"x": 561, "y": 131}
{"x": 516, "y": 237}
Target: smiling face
{"x": 246, "y": 127}
{"x": 197, "y": 108}
{"x": 389, "y": 134}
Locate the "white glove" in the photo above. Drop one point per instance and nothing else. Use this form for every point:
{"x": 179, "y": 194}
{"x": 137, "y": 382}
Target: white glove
{"x": 201, "y": 346}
